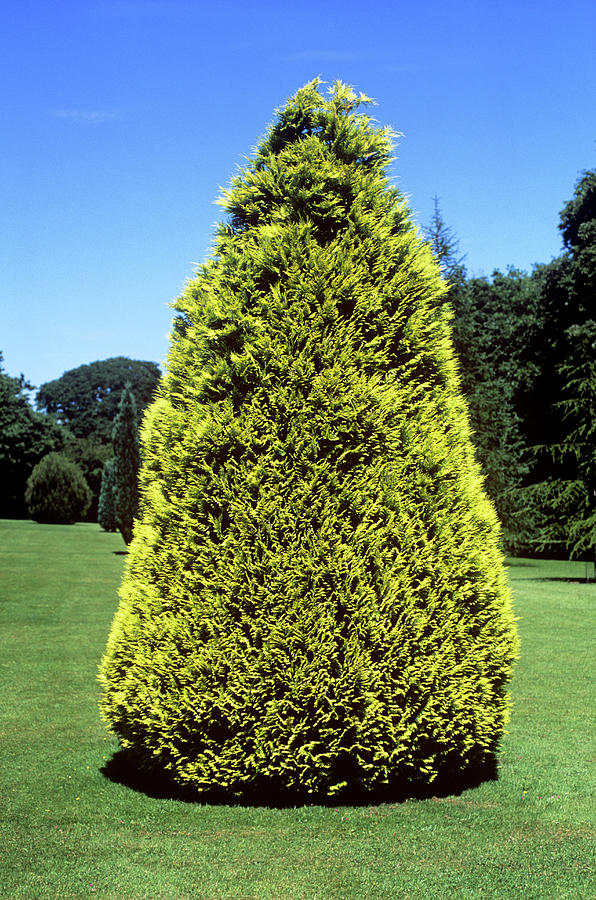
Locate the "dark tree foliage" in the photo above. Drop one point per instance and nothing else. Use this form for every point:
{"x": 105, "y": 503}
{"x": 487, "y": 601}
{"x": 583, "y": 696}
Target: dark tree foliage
{"x": 57, "y": 492}
{"x": 90, "y": 456}
{"x": 25, "y": 437}
{"x": 578, "y": 230}
{"x": 86, "y": 398}
{"x": 126, "y": 464}
{"x": 315, "y": 598}
{"x": 563, "y": 476}
{"x": 488, "y": 338}
{"x": 568, "y": 501}
{"x": 106, "y": 514}
{"x": 496, "y": 327}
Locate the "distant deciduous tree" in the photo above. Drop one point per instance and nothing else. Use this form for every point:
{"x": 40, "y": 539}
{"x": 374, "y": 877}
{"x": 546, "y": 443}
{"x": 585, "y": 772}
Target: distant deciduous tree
{"x": 86, "y": 399}
{"x": 565, "y": 472}
{"x": 25, "y": 437}
{"x": 90, "y": 456}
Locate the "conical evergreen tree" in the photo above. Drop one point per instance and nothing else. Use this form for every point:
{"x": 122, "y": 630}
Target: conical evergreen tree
{"x": 106, "y": 511}
{"x": 314, "y": 597}
{"x": 125, "y": 439}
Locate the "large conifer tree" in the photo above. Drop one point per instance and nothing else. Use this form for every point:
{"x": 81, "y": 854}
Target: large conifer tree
{"x": 314, "y": 596}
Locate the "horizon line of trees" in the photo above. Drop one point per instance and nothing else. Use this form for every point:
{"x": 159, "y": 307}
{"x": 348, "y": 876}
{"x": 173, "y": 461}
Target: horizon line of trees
{"x": 86, "y": 421}
{"x": 527, "y": 349}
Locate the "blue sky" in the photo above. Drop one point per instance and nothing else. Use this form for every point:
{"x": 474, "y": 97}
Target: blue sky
{"x": 123, "y": 118}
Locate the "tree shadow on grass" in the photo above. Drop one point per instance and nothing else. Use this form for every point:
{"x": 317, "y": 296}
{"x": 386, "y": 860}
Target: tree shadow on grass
{"x": 569, "y": 580}
{"x": 120, "y": 552}
{"x": 125, "y": 769}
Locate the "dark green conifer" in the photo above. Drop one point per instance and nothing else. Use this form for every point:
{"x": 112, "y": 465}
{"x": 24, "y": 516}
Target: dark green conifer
{"x": 57, "y": 492}
{"x": 106, "y": 511}
{"x": 125, "y": 439}
{"x": 314, "y": 597}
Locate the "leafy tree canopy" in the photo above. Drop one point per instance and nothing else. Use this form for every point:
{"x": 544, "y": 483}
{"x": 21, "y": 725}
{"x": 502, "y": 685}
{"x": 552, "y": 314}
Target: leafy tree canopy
{"x": 86, "y": 398}
{"x": 25, "y": 437}
{"x": 578, "y": 216}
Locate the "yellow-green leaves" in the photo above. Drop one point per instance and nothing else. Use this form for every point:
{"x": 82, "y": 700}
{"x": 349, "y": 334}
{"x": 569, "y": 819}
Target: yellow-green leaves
{"x": 315, "y": 597}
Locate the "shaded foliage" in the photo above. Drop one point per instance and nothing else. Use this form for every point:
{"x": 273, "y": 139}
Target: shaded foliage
{"x": 25, "y": 437}
{"x": 564, "y": 437}
{"x": 106, "y": 514}
{"x": 57, "y": 491}
{"x": 86, "y": 399}
{"x": 126, "y": 464}
{"x": 490, "y": 318}
{"x": 90, "y": 456}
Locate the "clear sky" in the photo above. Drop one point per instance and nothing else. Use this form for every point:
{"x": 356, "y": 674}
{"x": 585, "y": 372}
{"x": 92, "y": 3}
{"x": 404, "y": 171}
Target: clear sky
{"x": 121, "y": 120}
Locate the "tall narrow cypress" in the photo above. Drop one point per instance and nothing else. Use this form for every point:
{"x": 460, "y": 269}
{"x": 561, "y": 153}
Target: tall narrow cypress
{"x": 314, "y": 598}
{"x": 106, "y": 511}
{"x": 126, "y": 464}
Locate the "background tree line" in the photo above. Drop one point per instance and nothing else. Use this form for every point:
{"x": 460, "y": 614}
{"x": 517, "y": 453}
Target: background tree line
{"x": 84, "y": 421}
{"x": 527, "y": 350}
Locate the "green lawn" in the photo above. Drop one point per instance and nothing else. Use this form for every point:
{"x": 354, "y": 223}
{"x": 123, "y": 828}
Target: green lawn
{"x": 66, "y": 831}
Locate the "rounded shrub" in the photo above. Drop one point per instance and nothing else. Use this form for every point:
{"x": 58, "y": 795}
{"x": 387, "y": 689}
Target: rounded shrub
{"x": 315, "y": 598}
{"x": 57, "y": 491}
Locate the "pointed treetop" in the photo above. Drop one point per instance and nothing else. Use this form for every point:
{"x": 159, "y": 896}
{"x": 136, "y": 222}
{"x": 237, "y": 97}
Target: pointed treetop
{"x": 311, "y": 137}
{"x": 308, "y": 113}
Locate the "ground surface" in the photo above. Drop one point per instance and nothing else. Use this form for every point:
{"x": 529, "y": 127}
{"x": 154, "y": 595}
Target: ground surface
{"x": 67, "y": 831}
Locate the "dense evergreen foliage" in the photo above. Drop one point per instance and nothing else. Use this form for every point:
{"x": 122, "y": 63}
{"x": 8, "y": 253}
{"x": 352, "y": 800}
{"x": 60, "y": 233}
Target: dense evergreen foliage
{"x": 486, "y": 316}
{"x": 57, "y": 491}
{"x": 527, "y": 353}
{"x": 314, "y": 596}
{"x": 494, "y": 320}
{"x": 126, "y": 464}
{"x": 564, "y": 483}
{"x": 90, "y": 456}
{"x": 25, "y": 437}
{"x": 106, "y": 513}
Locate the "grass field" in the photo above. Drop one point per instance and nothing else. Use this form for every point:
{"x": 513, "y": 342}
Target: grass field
{"x": 67, "y": 831}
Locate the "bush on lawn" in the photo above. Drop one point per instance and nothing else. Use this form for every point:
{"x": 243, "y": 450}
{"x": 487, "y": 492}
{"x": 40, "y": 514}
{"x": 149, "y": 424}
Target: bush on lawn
{"x": 57, "y": 491}
{"x": 315, "y": 598}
